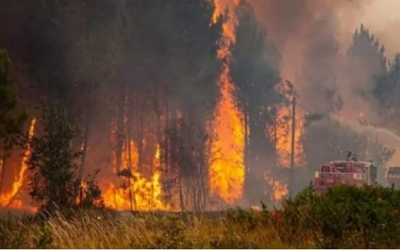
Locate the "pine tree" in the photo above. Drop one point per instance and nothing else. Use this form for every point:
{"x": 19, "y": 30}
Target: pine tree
{"x": 255, "y": 79}
{"x": 11, "y": 119}
{"x": 170, "y": 76}
{"x": 53, "y": 161}
{"x": 365, "y": 62}
{"x": 387, "y": 91}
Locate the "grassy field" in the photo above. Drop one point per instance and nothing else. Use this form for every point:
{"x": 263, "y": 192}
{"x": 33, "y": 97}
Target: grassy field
{"x": 343, "y": 218}
{"x": 90, "y": 229}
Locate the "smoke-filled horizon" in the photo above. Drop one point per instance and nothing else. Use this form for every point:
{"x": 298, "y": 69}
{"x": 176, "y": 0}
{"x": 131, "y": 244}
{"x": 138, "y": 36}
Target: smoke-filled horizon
{"x": 196, "y": 103}
{"x": 302, "y": 28}
{"x": 319, "y": 55}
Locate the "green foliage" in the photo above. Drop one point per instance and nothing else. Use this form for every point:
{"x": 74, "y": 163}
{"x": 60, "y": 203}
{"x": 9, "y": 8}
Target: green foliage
{"x": 53, "y": 164}
{"x": 44, "y": 239}
{"x": 172, "y": 234}
{"x": 91, "y": 194}
{"x": 344, "y": 217}
{"x": 11, "y": 121}
{"x": 53, "y": 161}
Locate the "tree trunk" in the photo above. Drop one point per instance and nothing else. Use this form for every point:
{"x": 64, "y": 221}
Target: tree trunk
{"x": 85, "y": 139}
{"x": 120, "y": 127}
{"x": 247, "y": 175}
{"x": 87, "y": 108}
{"x": 130, "y": 117}
{"x": 2, "y": 174}
{"x": 139, "y": 133}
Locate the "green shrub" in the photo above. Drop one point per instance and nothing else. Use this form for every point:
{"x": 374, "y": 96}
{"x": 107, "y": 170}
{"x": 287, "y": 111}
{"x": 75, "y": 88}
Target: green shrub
{"x": 344, "y": 217}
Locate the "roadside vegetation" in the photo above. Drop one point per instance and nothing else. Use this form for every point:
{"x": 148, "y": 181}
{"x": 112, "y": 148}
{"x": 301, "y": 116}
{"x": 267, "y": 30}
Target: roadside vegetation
{"x": 345, "y": 217}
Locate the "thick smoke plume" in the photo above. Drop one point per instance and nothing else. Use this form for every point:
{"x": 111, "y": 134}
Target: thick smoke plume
{"x": 306, "y": 31}
{"x": 315, "y": 41}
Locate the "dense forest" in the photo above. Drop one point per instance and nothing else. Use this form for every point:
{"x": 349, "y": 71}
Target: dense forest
{"x": 131, "y": 96}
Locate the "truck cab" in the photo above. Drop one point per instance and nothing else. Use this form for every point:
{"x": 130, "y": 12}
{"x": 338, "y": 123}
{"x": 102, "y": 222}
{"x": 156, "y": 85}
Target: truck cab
{"x": 392, "y": 176}
{"x": 349, "y": 172}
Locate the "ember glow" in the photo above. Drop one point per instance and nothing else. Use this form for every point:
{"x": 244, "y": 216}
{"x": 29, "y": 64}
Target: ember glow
{"x": 227, "y": 170}
{"x": 11, "y": 199}
{"x": 279, "y": 189}
{"x": 281, "y": 133}
{"x": 142, "y": 193}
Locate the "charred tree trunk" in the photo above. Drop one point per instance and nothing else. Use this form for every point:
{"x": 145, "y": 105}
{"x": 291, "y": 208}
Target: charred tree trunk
{"x": 120, "y": 126}
{"x": 202, "y": 175}
{"x": 247, "y": 152}
{"x": 166, "y": 151}
{"x": 87, "y": 109}
{"x": 139, "y": 133}
{"x": 128, "y": 142}
{"x": 275, "y": 134}
{"x": 177, "y": 133}
{"x": 2, "y": 174}
{"x": 129, "y": 127}
{"x": 86, "y": 137}
{"x": 166, "y": 144}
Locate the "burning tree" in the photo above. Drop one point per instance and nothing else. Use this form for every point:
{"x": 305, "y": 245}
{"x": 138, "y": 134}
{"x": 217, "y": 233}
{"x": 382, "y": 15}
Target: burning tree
{"x": 53, "y": 161}
{"x": 11, "y": 120}
{"x": 255, "y": 78}
{"x": 161, "y": 100}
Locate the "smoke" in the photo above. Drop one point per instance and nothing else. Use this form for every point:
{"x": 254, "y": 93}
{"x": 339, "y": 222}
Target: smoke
{"x": 313, "y": 37}
{"x": 384, "y": 136}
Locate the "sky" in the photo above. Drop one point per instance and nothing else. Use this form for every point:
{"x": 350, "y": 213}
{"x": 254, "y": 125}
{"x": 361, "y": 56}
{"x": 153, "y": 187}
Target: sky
{"x": 382, "y": 17}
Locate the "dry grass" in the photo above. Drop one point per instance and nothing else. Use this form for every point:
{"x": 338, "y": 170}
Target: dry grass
{"x": 345, "y": 217}
{"x": 98, "y": 230}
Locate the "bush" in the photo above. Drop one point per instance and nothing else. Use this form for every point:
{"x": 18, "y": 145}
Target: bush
{"x": 344, "y": 217}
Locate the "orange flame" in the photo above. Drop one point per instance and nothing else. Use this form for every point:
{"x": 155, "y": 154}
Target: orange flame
{"x": 280, "y": 190}
{"x": 227, "y": 170}
{"x": 113, "y": 156}
{"x": 10, "y": 199}
{"x": 281, "y": 133}
{"x": 142, "y": 193}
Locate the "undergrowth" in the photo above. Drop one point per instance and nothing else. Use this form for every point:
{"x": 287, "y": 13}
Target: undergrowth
{"x": 345, "y": 217}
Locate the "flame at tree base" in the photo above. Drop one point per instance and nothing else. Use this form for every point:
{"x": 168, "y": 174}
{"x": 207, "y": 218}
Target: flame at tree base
{"x": 12, "y": 199}
{"x": 137, "y": 192}
{"x": 279, "y": 189}
{"x": 227, "y": 170}
{"x": 281, "y": 132}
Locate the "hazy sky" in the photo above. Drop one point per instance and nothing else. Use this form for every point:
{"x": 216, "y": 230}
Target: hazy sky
{"x": 382, "y": 17}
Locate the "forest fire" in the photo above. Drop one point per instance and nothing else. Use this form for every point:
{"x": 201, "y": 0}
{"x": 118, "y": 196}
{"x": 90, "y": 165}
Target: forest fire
{"x": 227, "y": 170}
{"x": 191, "y": 88}
{"x": 137, "y": 192}
{"x": 281, "y": 132}
{"x": 11, "y": 199}
{"x": 279, "y": 189}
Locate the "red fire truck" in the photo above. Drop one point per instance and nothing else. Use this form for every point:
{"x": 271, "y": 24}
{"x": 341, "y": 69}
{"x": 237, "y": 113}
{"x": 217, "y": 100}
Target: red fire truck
{"x": 348, "y": 172}
{"x": 392, "y": 176}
